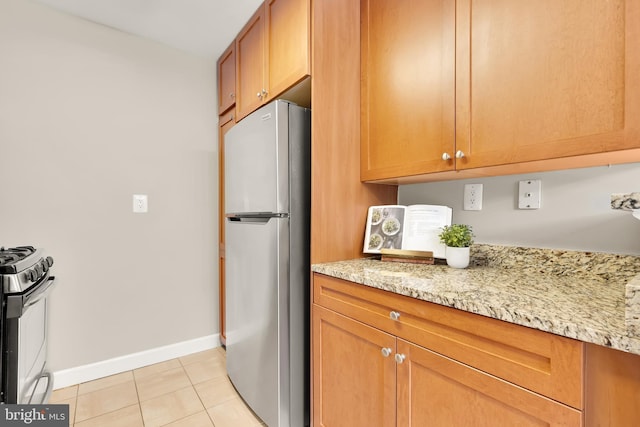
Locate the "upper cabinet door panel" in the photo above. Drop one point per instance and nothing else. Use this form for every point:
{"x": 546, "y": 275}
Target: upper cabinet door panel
{"x": 273, "y": 53}
{"x": 408, "y": 87}
{"x": 546, "y": 79}
{"x": 288, "y": 32}
{"x": 227, "y": 79}
{"x": 250, "y": 65}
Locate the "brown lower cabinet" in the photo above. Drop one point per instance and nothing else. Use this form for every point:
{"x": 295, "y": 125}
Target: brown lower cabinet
{"x": 383, "y": 359}
{"x": 367, "y": 372}
{"x": 365, "y": 377}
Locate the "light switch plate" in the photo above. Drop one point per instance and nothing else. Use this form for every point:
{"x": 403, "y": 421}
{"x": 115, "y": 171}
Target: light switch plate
{"x": 529, "y": 194}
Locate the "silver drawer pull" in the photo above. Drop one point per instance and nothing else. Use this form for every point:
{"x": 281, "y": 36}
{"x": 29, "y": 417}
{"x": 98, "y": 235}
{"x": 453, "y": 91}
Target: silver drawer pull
{"x": 400, "y": 358}
{"x": 394, "y": 315}
{"x": 386, "y": 351}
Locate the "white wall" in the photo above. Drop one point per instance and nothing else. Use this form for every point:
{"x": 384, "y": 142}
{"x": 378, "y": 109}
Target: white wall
{"x": 90, "y": 116}
{"x": 575, "y": 213}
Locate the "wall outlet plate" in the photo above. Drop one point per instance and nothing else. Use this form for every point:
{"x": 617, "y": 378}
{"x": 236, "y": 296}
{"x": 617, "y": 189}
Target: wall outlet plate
{"x": 140, "y": 203}
{"x": 529, "y": 194}
{"x": 472, "y": 197}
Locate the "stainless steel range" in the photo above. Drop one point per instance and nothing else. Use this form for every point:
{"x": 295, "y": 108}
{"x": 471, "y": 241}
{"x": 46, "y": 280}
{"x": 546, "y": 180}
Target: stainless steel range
{"x": 25, "y": 284}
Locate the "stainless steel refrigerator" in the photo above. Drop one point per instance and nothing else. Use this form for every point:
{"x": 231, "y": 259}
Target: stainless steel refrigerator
{"x": 267, "y": 232}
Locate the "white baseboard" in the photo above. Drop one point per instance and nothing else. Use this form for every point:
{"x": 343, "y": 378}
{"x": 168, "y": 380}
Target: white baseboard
{"x": 93, "y": 371}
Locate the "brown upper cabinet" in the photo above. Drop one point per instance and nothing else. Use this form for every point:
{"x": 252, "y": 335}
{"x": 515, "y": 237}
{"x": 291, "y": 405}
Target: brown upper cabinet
{"x": 227, "y": 79}
{"x": 548, "y": 84}
{"x": 408, "y": 87}
{"x": 272, "y": 53}
{"x": 250, "y": 65}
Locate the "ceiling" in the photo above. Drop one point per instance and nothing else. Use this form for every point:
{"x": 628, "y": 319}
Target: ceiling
{"x": 202, "y": 27}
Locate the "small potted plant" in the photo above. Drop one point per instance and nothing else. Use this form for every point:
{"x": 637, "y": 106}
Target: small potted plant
{"x": 457, "y": 238}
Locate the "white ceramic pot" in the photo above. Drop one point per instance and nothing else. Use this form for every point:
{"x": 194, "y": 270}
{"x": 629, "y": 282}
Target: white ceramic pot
{"x": 457, "y": 257}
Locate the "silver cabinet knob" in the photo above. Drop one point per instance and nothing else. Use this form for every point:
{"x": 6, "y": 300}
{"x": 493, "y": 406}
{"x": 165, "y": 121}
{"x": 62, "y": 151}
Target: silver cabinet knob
{"x": 446, "y": 156}
{"x": 394, "y": 315}
{"x": 232, "y": 95}
{"x": 400, "y": 358}
{"x": 386, "y": 351}
{"x": 264, "y": 93}
{"x": 459, "y": 154}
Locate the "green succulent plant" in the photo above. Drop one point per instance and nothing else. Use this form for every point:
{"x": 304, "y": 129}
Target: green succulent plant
{"x": 457, "y": 235}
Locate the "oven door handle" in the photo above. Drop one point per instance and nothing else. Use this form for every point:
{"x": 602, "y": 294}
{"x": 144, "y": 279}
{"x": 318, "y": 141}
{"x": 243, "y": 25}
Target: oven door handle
{"x": 16, "y": 305}
{"x": 40, "y": 293}
{"x": 48, "y": 391}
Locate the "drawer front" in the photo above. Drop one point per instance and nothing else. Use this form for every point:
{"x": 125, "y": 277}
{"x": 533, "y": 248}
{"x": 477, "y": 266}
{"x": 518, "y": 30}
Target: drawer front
{"x": 482, "y": 399}
{"x": 539, "y": 361}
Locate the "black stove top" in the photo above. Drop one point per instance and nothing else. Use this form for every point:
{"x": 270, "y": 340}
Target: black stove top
{"x": 21, "y": 267}
{"x": 10, "y": 258}
{"x": 8, "y": 255}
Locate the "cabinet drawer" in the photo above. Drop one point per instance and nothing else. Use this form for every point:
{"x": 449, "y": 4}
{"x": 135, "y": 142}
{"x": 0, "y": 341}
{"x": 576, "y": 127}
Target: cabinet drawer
{"x": 542, "y": 362}
{"x": 480, "y": 398}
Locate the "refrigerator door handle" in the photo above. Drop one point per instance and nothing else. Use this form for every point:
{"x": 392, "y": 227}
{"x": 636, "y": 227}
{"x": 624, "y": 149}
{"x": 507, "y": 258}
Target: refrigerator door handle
{"x": 255, "y": 216}
{"x": 262, "y": 220}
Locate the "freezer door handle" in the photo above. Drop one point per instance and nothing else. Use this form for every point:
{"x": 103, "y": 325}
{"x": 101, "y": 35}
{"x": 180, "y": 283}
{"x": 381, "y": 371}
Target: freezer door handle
{"x": 263, "y": 219}
{"x": 255, "y": 216}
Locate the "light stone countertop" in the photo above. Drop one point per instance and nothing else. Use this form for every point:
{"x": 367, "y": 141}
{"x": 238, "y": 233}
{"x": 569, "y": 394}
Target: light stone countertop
{"x": 591, "y": 297}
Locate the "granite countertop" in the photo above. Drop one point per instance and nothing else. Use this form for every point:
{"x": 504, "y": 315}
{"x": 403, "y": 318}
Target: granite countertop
{"x": 592, "y": 297}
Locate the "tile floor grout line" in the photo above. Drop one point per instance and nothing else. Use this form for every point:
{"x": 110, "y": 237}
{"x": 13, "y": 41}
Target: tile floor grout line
{"x": 135, "y": 382}
{"x": 201, "y": 402}
{"x": 206, "y": 410}
{"x": 106, "y": 388}
{"x": 75, "y": 407}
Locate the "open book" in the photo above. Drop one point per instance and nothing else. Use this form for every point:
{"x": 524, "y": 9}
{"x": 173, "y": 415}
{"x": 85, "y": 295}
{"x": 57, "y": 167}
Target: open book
{"x": 414, "y": 227}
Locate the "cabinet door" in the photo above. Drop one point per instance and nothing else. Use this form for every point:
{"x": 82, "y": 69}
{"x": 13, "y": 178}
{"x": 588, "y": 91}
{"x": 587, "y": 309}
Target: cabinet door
{"x": 354, "y": 384}
{"x": 250, "y": 65}
{"x": 225, "y": 123}
{"x": 434, "y": 390}
{"x": 546, "y": 79}
{"x": 288, "y": 44}
{"x": 612, "y": 388}
{"x": 227, "y": 79}
{"x": 408, "y": 92}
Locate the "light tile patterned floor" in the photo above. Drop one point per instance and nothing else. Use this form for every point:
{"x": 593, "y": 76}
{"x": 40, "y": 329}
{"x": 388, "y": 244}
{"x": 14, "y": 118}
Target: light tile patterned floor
{"x": 191, "y": 391}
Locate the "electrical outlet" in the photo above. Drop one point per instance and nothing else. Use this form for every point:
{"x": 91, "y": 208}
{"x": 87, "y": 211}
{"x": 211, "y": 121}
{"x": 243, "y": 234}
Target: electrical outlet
{"x": 472, "y": 197}
{"x": 529, "y": 194}
{"x": 140, "y": 203}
